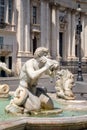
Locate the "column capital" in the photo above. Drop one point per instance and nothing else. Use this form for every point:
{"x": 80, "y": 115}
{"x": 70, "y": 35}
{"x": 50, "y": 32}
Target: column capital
{"x": 72, "y": 58}
{"x": 6, "y": 11}
{"x": 54, "y": 4}
{"x": 73, "y": 11}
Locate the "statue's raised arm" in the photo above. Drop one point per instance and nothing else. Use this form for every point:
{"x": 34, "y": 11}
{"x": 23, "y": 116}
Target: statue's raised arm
{"x": 27, "y": 94}
{"x": 34, "y": 68}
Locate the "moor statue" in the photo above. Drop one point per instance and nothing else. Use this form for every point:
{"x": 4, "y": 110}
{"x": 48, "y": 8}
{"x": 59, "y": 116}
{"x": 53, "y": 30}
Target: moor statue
{"x": 27, "y": 96}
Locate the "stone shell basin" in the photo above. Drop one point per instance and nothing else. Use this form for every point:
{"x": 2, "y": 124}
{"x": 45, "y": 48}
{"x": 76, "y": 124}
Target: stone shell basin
{"x": 73, "y": 117}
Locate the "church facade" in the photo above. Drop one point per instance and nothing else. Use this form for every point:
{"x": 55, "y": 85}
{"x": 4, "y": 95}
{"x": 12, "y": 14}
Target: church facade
{"x": 26, "y": 25}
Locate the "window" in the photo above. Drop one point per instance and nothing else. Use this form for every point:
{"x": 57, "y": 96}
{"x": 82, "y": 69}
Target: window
{"x": 2, "y": 2}
{"x": 3, "y": 10}
{"x": 1, "y": 40}
{"x": 2, "y": 6}
{"x": 34, "y": 14}
{"x": 61, "y": 44}
{"x": 34, "y": 44}
{"x": 10, "y": 11}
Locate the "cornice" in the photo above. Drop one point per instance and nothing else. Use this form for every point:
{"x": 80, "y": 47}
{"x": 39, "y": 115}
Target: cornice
{"x": 81, "y": 1}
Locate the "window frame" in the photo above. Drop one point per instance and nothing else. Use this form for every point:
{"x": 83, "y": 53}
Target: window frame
{"x": 2, "y": 13}
{"x": 34, "y": 14}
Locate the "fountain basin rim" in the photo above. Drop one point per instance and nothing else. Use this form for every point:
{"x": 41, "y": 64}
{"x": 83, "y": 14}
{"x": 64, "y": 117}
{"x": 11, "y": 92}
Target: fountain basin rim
{"x": 49, "y": 121}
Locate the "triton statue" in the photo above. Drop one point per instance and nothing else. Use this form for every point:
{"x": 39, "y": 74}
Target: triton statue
{"x": 64, "y": 85}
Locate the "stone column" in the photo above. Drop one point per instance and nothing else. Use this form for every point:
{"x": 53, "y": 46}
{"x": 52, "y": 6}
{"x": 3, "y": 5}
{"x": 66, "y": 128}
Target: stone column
{"x": 48, "y": 26}
{"x": 85, "y": 45}
{"x": 43, "y": 23}
{"x": 82, "y": 37}
{"x": 54, "y": 33}
{"x": 69, "y": 36}
{"x": 64, "y": 47}
{"x": 73, "y": 36}
{"x": 20, "y": 26}
{"x": 58, "y": 55}
{"x": 14, "y": 15}
{"x": 27, "y": 28}
{"x": 6, "y": 11}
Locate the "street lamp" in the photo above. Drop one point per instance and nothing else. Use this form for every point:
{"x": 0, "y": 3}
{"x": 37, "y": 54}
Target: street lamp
{"x": 79, "y": 30}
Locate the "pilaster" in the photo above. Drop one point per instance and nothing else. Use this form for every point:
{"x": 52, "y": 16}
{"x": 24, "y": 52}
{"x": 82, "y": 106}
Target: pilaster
{"x": 54, "y": 32}
{"x": 69, "y": 36}
{"x": 48, "y": 25}
{"x": 27, "y": 29}
{"x": 6, "y": 10}
{"x": 58, "y": 28}
{"x": 73, "y": 57}
{"x": 42, "y": 23}
{"x": 14, "y": 15}
{"x": 20, "y": 27}
{"x": 83, "y": 37}
{"x": 85, "y": 40}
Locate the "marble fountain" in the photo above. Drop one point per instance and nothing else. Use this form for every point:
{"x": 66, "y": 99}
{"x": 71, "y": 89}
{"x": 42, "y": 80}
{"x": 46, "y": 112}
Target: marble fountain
{"x": 32, "y": 108}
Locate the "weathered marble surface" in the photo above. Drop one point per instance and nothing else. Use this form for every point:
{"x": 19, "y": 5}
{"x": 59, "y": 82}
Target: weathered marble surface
{"x": 64, "y": 85}
{"x": 27, "y": 97}
{"x": 4, "y": 88}
{"x": 4, "y": 67}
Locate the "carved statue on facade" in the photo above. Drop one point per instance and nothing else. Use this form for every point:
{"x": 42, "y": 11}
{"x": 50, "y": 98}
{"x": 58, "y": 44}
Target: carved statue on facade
{"x": 27, "y": 96}
{"x": 64, "y": 85}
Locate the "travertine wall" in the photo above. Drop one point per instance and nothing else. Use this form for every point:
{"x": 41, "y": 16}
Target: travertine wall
{"x": 55, "y": 29}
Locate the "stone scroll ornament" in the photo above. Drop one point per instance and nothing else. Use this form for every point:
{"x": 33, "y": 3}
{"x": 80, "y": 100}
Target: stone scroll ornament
{"x": 4, "y": 88}
{"x": 28, "y": 98}
{"x": 64, "y": 84}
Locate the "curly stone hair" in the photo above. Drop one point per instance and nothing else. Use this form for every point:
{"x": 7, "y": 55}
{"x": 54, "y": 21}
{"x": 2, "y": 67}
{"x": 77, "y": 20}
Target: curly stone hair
{"x": 40, "y": 52}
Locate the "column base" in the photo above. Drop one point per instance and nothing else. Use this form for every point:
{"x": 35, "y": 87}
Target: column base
{"x": 24, "y": 54}
{"x": 84, "y": 59}
{"x": 59, "y": 58}
{"x": 22, "y": 57}
{"x": 72, "y": 58}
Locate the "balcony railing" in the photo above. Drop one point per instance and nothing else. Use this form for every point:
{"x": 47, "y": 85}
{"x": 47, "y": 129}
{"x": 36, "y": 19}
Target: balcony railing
{"x": 5, "y": 49}
{"x": 7, "y": 26}
{"x": 36, "y": 28}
